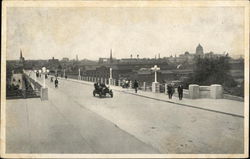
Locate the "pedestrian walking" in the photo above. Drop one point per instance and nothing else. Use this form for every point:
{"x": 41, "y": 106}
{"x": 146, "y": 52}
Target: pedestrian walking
{"x": 136, "y": 85}
{"x": 169, "y": 91}
{"x": 180, "y": 91}
{"x": 56, "y": 83}
{"x": 172, "y": 90}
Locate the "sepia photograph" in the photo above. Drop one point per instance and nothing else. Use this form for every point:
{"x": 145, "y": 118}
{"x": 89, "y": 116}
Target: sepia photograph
{"x": 125, "y": 79}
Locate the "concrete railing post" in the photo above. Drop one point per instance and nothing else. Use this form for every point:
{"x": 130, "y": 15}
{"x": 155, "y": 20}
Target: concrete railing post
{"x": 110, "y": 81}
{"x": 144, "y": 86}
{"x": 194, "y": 91}
{"x": 166, "y": 88}
{"x": 216, "y": 91}
{"x": 155, "y": 87}
{"x": 130, "y": 85}
{"x": 119, "y": 83}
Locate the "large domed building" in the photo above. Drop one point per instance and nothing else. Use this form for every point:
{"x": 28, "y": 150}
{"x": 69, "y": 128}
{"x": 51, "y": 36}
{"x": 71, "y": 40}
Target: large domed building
{"x": 199, "y": 50}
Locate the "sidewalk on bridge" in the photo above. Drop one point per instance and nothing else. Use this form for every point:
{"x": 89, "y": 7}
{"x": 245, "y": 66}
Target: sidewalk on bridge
{"x": 232, "y": 107}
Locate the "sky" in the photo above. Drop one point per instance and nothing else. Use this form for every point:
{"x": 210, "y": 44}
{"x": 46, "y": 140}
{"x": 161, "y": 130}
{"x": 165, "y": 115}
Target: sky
{"x": 43, "y": 33}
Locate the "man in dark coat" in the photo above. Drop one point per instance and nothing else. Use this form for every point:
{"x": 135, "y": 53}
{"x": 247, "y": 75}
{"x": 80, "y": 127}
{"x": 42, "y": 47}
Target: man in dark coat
{"x": 169, "y": 91}
{"x": 136, "y": 85}
{"x": 56, "y": 83}
{"x": 180, "y": 91}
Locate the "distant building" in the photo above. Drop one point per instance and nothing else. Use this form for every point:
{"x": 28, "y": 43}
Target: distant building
{"x": 109, "y": 60}
{"x": 65, "y": 59}
{"x": 53, "y": 64}
{"x": 199, "y": 50}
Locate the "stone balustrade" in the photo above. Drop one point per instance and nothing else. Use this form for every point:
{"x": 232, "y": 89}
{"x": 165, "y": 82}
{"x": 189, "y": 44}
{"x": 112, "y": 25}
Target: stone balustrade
{"x": 194, "y": 91}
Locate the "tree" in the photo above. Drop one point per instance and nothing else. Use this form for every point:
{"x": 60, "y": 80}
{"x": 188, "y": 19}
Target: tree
{"x": 209, "y": 71}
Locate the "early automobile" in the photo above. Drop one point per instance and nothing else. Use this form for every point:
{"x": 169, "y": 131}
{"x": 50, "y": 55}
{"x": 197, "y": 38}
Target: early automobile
{"x": 102, "y": 90}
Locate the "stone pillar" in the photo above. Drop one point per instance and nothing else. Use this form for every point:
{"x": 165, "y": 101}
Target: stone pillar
{"x": 216, "y": 91}
{"x": 110, "y": 81}
{"x": 166, "y": 88}
{"x": 155, "y": 87}
{"x": 114, "y": 82}
{"x": 44, "y": 94}
{"x": 144, "y": 86}
{"x": 119, "y": 83}
{"x": 130, "y": 84}
{"x": 194, "y": 91}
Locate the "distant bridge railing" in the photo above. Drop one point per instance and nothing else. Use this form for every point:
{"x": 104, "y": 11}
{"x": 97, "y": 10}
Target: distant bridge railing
{"x": 35, "y": 86}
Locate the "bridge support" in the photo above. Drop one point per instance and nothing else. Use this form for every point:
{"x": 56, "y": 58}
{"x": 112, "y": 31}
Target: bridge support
{"x": 44, "y": 94}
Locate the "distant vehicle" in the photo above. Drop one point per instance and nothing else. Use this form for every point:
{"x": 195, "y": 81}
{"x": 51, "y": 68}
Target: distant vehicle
{"x": 102, "y": 91}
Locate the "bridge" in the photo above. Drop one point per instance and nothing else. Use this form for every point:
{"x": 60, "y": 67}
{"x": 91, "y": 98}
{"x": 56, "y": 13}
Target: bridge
{"x": 72, "y": 120}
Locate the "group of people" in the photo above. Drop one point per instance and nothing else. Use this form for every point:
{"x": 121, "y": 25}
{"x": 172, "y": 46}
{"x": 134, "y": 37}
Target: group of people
{"x": 171, "y": 90}
{"x": 56, "y": 81}
{"x": 99, "y": 86}
{"x": 125, "y": 84}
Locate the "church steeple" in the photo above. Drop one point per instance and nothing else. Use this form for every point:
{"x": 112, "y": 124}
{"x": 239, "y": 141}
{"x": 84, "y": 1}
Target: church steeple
{"x": 21, "y": 58}
{"x": 21, "y": 54}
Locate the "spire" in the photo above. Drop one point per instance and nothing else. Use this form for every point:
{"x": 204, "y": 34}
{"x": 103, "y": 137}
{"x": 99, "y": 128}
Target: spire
{"x": 21, "y": 54}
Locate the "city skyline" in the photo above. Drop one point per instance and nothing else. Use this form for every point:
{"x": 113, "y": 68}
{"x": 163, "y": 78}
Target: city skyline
{"x": 126, "y": 31}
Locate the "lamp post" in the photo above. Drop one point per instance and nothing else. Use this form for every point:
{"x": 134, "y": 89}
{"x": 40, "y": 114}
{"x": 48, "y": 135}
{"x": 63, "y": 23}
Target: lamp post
{"x": 44, "y": 90}
{"x": 79, "y": 74}
{"x": 44, "y": 73}
{"x": 40, "y": 71}
{"x": 155, "y": 84}
{"x": 48, "y": 71}
{"x": 110, "y": 76}
{"x": 155, "y": 69}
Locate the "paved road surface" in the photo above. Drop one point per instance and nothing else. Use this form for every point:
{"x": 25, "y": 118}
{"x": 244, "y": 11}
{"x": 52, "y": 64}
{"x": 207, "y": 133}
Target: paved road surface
{"x": 73, "y": 121}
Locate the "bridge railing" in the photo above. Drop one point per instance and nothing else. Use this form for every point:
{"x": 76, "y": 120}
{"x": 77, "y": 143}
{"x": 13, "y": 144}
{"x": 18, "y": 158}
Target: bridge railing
{"x": 213, "y": 91}
{"x": 35, "y": 86}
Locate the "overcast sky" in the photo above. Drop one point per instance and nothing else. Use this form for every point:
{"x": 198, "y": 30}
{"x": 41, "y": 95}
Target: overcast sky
{"x": 42, "y": 33}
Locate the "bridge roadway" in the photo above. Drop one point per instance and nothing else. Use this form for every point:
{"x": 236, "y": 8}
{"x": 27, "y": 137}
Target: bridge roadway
{"x": 73, "y": 121}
